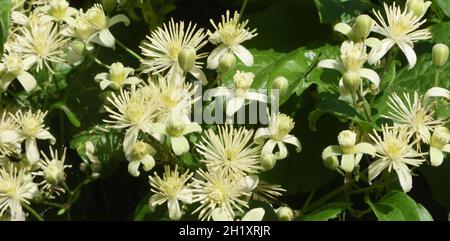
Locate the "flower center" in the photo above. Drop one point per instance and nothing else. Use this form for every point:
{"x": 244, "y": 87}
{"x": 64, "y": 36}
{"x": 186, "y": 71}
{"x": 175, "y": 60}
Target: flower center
{"x": 14, "y": 64}
{"x": 97, "y": 18}
{"x": 174, "y": 48}
{"x": 31, "y": 125}
{"x": 394, "y": 149}
{"x": 135, "y": 112}
{"x": 58, "y": 9}
{"x": 217, "y": 196}
{"x": 118, "y": 74}
{"x": 231, "y": 153}
{"x": 171, "y": 187}
{"x": 228, "y": 33}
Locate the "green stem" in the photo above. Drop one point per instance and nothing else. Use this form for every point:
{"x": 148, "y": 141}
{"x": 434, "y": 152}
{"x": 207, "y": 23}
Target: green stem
{"x": 33, "y": 212}
{"x": 324, "y": 199}
{"x": 51, "y": 204}
{"x": 131, "y": 52}
{"x": 97, "y": 61}
{"x": 311, "y": 195}
{"x": 362, "y": 101}
{"x": 436, "y": 76}
{"x": 241, "y": 12}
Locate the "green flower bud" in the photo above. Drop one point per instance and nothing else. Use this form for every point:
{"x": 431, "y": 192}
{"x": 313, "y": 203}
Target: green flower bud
{"x": 362, "y": 27}
{"x": 285, "y": 214}
{"x": 352, "y": 81}
{"x": 54, "y": 174}
{"x": 268, "y": 161}
{"x": 186, "y": 59}
{"x": 78, "y": 47}
{"x": 440, "y": 54}
{"x": 175, "y": 127}
{"x": 418, "y": 7}
{"x": 440, "y": 137}
{"x": 227, "y": 62}
{"x": 331, "y": 163}
{"x": 282, "y": 84}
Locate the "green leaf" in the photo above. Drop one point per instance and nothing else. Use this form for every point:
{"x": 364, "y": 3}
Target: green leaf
{"x": 441, "y": 32}
{"x": 5, "y": 8}
{"x": 327, "y": 212}
{"x": 438, "y": 179}
{"x": 107, "y": 144}
{"x": 445, "y": 6}
{"x": 398, "y": 206}
{"x": 331, "y": 11}
{"x": 61, "y": 105}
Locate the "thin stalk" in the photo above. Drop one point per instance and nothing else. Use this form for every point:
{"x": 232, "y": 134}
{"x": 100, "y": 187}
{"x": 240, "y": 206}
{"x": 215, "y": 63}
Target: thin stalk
{"x": 241, "y": 12}
{"x": 324, "y": 199}
{"x": 131, "y": 52}
{"x": 33, "y": 212}
{"x": 437, "y": 70}
{"x": 308, "y": 200}
{"x": 97, "y": 61}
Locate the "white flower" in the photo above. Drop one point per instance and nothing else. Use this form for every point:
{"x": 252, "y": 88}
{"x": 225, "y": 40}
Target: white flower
{"x": 438, "y": 145}
{"x": 10, "y": 147}
{"x": 16, "y": 187}
{"x": 176, "y": 99}
{"x": 142, "y": 154}
{"x": 277, "y": 134}
{"x": 52, "y": 170}
{"x": 81, "y": 29}
{"x": 171, "y": 188}
{"x": 393, "y": 150}
{"x": 415, "y": 114}
{"x": 101, "y": 23}
{"x": 41, "y": 41}
{"x": 14, "y": 66}
{"x": 117, "y": 77}
{"x": 175, "y": 130}
{"x": 95, "y": 163}
{"x": 236, "y": 97}
{"x": 132, "y": 113}
{"x": 165, "y": 45}
{"x": 350, "y": 151}
{"x": 353, "y": 58}
{"x": 229, "y": 35}
{"x": 266, "y": 192}
{"x": 218, "y": 190}
{"x": 59, "y": 11}
{"x": 231, "y": 150}
{"x": 30, "y": 127}
{"x": 401, "y": 28}
{"x": 255, "y": 214}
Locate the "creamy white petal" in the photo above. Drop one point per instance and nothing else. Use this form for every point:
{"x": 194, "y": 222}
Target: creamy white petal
{"x": 214, "y": 56}
{"x": 192, "y": 127}
{"x": 348, "y": 162}
{"x": 32, "y": 151}
{"x": 282, "y": 153}
{"x": 219, "y": 214}
{"x": 404, "y": 176}
{"x": 373, "y": 43}
{"x": 179, "y": 145}
{"x": 370, "y": 75}
{"x": 374, "y": 55}
{"x": 436, "y": 156}
{"x": 148, "y": 162}
{"x": 366, "y": 148}
{"x": 105, "y": 83}
{"x": 243, "y": 54}
{"x": 234, "y": 104}
{"x": 46, "y": 135}
{"x": 438, "y": 92}
{"x": 261, "y": 134}
{"x": 199, "y": 74}
{"x": 408, "y": 50}
{"x": 27, "y": 81}
{"x": 132, "y": 81}
{"x": 156, "y": 199}
{"x": 446, "y": 148}
{"x": 268, "y": 147}
{"x": 376, "y": 167}
{"x": 129, "y": 140}
{"x": 119, "y": 18}
{"x": 133, "y": 168}
{"x": 107, "y": 38}
{"x": 331, "y": 64}
{"x": 330, "y": 151}
{"x": 343, "y": 28}
{"x": 294, "y": 141}
{"x": 257, "y": 96}
{"x": 10, "y": 135}
{"x": 174, "y": 209}
{"x": 255, "y": 214}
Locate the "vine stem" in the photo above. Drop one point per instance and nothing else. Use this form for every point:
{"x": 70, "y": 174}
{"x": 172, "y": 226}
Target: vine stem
{"x": 324, "y": 199}
{"x": 32, "y": 211}
{"x": 241, "y": 12}
{"x": 97, "y": 61}
{"x": 131, "y": 52}
{"x": 436, "y": 76}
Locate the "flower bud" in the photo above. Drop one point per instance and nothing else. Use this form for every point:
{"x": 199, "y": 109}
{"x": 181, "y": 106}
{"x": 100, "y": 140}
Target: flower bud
{"x": 186, "y": 59}
{"x": 268, "y": 161}
{"x": 440, "y": 54}
{"x": 352, "y": 81}
{"x": 347, "y": 141}
{"x": 118, "y": 74}
{"x": 243, "y": 80}
{"x": 54, "y": 173}
{"x": 362, "y": 27}
{"x": 285, "y": 214}
{"x": 282, "y": 84}
{"x": 331, "y": 162}
{"x": 58, "y": 9}
{"x": 285, "y": 125}
{"x": 418, "y": 7}
{"x": 440, "y": 137}
{"x": 227, "y": 62}
{"x": 78, "y": 47}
